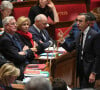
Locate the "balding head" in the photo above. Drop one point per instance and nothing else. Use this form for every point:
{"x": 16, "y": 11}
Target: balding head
{"x": 40, "y": 17}
{"x": 41, "y": 21}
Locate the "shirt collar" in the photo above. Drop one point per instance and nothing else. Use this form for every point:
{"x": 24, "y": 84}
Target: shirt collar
{"x": 36, "y": 28}
{"x": 10, "y": 35}
{"x": 86, "y": 30}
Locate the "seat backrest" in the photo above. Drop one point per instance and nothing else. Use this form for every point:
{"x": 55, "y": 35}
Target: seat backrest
{"x": 94, "y": 4}
{"x": 68, "y": 12}
{"x": 21, "y": 11}
{"x": 64, "y": 29}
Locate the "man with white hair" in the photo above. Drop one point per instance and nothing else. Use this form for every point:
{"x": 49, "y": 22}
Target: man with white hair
{"x": 5, "y": 10}
{"x": 38, "y": 83}
{"x": 12, "y": 47}
{"x": 40, "y": 34}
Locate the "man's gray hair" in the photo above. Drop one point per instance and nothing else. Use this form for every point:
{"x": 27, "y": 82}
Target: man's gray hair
{"x": 38, "y": 83}
{"x": 6, "y": 20}
{"x": 6, "y": 4}
{"x": 40, "y": 17}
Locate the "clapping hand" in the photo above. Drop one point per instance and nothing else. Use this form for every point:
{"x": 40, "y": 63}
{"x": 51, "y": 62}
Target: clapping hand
{"x": 34, "y": 49}
{"x": 60, "y": 36}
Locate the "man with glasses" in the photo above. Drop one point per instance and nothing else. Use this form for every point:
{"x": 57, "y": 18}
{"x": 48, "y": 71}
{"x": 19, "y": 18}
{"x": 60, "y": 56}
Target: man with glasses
{"x": 12, "y": 47}
{"x": 5, "y": 10}
{"x": 40, "y": 34}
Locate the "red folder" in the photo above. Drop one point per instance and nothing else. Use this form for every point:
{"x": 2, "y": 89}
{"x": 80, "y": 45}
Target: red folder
{"x": 36, "y": 66}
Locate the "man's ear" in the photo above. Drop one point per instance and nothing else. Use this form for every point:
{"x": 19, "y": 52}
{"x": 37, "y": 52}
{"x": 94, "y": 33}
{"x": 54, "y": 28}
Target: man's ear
{"x": 88, "y": 22}
{"x": 6, "y": 26}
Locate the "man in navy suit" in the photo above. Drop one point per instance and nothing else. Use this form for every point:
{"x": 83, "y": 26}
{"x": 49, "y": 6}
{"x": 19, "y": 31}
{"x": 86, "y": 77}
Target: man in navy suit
{"x": 12, "y": 47}
{"x": 75, "y": 30}
{"x": 40, "y": 34}
{"x": 87, "y": 53}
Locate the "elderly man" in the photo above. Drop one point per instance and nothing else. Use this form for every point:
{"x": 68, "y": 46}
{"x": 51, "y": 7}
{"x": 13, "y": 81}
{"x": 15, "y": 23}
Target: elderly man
{"x": 40, "y": 35}
{"x": 88, "y": 50}
{"x": 6, "y": 10}
{"x": 12, "y": 47}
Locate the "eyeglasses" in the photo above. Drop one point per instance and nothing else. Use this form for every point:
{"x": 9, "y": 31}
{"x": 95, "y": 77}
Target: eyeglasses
{"x": 44, "y": 23}
{"x": 12, "y": 23}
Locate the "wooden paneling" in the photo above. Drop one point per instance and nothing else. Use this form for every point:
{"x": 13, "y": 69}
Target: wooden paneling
{"x": 64, "y": 67}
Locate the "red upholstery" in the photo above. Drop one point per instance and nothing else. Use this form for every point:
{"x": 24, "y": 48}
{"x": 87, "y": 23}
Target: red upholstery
{"x": 63, "y": 30}
{"x": 68, "y": 12}
{"x": 23, "y": 11}
{"x": 94, "y": 4}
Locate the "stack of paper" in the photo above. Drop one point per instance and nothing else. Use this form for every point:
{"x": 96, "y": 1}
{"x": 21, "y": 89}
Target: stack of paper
{"x": 52, "y": 49}
{"x": 29, "y": 73}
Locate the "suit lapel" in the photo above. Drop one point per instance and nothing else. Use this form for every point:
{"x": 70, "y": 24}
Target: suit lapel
{"x": 78, "y": 39}
{"x": 11, "y": 40}
{"x": 88, "y": 39}
{"x": 37, "y": 32}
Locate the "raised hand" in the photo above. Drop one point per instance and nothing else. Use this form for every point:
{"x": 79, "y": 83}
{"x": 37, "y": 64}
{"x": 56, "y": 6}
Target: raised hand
{"x": 60, "y": 36}
{"x": 51, "y": 4}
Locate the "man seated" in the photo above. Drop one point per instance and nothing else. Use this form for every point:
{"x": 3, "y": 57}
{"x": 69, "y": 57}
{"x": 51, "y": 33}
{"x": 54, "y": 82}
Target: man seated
{"x": 59, "y": 84}
{"x": 40, "y": 34}
{"x": 12, "y": 47}
{"x": 38, "y": 83}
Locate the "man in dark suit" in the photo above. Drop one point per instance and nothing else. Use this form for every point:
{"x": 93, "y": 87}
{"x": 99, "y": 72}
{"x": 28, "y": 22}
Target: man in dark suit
{"x": 75, "y": 30}
{"x": 40, "y": 35}
{"x": 87, "y": 53}
{"x": 12, "y": 47}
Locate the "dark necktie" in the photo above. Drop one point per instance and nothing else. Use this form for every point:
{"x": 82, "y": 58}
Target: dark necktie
{"x": 16, "y": 42}
{"x": 81, "y": 39}
{"x": 81, "y": 44}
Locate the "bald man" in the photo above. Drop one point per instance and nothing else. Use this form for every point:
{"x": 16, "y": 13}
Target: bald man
{"x": 40, "y": 34}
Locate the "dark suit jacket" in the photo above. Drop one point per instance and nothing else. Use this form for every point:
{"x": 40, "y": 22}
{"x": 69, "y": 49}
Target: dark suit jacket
{"x": 25, "y": 40}
{"x": 37, "y": 37}
{"x": 90, "y": 53}
{"x": 75, "y": 31}
{"x": 10, "y": 51}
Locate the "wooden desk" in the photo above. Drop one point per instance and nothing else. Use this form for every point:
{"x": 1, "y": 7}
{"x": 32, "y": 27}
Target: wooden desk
{"x": 64, "y": 67}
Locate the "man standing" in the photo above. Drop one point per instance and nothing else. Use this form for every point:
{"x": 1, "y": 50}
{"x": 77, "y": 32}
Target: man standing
{"x": 12, "y": 47}
{"x": 75, "y": 30}
{"x": 40, "y": 35}
{"x": 87, "y": 54}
